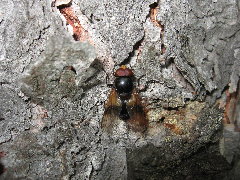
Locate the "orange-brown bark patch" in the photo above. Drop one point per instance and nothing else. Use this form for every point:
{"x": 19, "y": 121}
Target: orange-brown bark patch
{"x": 231, "y": 109}
{"x": 79, "y": 33}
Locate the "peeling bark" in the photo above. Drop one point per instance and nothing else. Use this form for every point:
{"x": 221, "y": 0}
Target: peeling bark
{"x": 57, "y": 60}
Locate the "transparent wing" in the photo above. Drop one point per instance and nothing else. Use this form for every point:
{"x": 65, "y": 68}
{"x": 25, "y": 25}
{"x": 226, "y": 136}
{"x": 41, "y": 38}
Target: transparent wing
{"x": 138, "y": 121}
{"x": 111, "y": 113}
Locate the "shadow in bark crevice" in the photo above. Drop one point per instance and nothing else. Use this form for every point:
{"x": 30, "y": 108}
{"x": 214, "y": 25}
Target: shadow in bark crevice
{"x": 1, "y": 168}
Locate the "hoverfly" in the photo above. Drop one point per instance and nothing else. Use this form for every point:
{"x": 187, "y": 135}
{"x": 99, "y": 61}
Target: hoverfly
{"x": 124, "y": 103}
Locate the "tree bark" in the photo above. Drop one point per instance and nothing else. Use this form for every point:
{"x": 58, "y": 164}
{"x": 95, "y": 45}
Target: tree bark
{"x": 57, "y": 59}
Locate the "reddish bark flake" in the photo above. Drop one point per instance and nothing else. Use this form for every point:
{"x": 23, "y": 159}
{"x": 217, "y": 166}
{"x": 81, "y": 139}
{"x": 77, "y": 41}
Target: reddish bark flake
{"x": 79, "y": 33}
{"x": 231, "y": 109}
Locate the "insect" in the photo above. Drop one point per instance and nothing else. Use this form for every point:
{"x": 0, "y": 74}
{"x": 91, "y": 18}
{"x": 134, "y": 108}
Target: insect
{"x": 124, "y": 104}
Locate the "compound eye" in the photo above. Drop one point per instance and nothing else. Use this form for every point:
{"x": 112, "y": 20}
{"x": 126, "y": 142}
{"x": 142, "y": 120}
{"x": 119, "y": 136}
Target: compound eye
{"x": 124, "y": 85}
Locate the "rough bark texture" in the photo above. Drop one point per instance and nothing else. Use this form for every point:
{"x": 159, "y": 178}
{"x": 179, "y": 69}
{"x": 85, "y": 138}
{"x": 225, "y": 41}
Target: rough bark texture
{"x": 56, "y": 59}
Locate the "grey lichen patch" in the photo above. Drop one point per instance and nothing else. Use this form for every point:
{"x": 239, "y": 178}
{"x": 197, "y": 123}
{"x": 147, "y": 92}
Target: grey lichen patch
{"x": 25, "y": 27}
{"x": 32, "y": 156}
{"x": 201, "y": 42}
{"x": 179, "y": 120}
{"x": 60, "y": 72}
{"x": 120, "y": 23}
{"x": 236, "y": 70}
{"x": 158, "y": 61}
{"x": 212, "y": 42}
{"x": 182, "y": 133}
{"x": 203, "y": 45}
{"x": 166, "y": 93}
{"x": 14, "y": 116}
